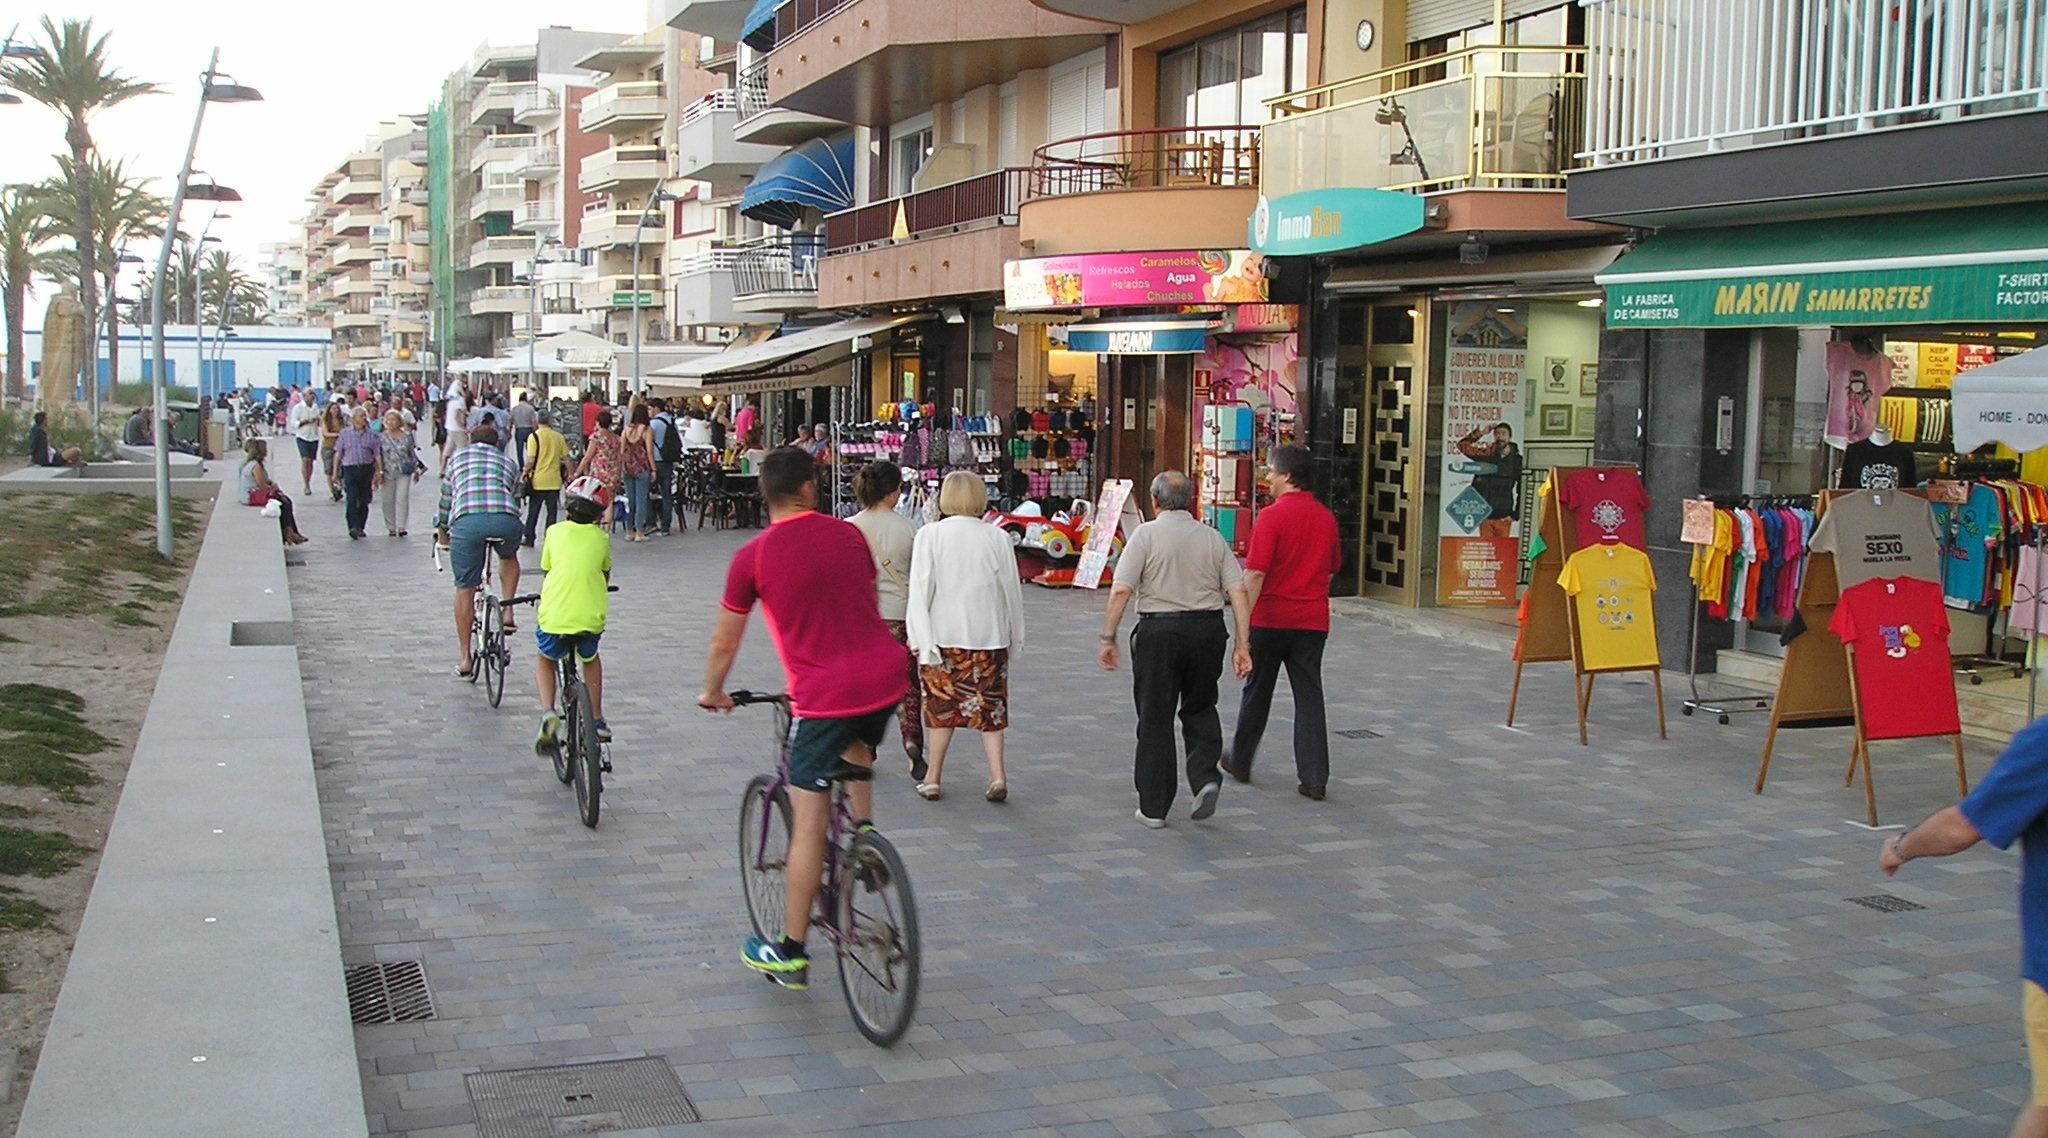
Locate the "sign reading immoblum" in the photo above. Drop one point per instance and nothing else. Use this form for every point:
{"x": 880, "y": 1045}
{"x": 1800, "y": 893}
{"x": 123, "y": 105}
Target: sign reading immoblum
{"x": 1331, "y": 221}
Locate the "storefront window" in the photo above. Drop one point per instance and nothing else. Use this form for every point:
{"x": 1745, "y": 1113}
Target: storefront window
{"x": 1224, "y": 80}
{"x": 1564, "y": 24}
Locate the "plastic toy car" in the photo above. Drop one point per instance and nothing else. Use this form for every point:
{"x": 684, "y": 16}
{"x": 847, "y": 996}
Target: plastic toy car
{"x": 1060, "y": 536}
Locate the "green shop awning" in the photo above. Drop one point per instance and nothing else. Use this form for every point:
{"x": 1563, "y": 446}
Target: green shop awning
{"x": 1965, "y": 265}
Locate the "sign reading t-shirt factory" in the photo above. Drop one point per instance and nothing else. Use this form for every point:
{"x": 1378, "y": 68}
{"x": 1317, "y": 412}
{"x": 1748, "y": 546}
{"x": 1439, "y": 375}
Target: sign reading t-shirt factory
{"x": 2000, "y": 291}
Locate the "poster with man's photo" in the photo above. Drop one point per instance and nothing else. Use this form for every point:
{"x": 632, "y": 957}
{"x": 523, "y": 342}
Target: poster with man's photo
{"x": 1481, "y": 480}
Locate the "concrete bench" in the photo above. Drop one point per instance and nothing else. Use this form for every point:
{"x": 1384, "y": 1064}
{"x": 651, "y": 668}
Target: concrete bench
{"x": 204, "y": 995}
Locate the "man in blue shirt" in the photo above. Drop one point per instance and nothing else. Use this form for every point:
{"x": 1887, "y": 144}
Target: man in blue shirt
{"x": 2010, "y": 803}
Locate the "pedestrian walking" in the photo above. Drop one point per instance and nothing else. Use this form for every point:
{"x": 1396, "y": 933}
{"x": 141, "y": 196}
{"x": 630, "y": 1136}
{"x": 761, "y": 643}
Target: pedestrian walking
{"x": 357, "y": 454}
{"x": 546, "y": 468}
{"x": 637, "y": 466}
{"x": 398, "y": 467}
{"x": 1182, "y": 576}
{"x": 891, "y": 540}
{"x": 745, "y": 421}
{"x": 333, "y": 420}
{"x": 1294, "y": 554}
{"x": 965, "y": 615}
{"x": 525, "y": 417}
{"x": 2009, "y": 804}
{"x": 454, "y": 423}
{"x": 668, "y": 451}
{"x": 604, "y": 459}
{"x": 438, "y": 407}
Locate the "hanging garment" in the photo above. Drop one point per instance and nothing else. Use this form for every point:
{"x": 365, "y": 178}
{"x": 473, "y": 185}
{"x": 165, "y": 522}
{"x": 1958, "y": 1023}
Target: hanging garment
{"x": 1905, "y": 685}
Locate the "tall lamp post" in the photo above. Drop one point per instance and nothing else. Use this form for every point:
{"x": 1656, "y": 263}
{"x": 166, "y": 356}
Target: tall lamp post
{"x": 213, "y": 88}
{"x": 541, "y": 244}
{"x": 640, "y": 226}
{"x": 198, "y": 294}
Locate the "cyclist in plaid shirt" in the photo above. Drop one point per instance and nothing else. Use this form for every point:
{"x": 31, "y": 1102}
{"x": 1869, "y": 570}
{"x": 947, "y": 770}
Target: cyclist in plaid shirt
{"x": 479, "y": 509}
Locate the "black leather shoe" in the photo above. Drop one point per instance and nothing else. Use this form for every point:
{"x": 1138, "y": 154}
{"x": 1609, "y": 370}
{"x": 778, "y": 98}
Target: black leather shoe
{"x": 1236, "y": 775}
{"x": 1313, "y": 793}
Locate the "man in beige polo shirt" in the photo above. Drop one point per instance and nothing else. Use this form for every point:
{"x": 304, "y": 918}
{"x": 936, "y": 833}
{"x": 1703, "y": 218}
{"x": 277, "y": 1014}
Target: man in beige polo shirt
{"x": 1182, "y": 575}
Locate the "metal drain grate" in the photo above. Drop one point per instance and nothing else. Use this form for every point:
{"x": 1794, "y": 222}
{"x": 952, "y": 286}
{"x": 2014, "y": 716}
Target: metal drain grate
{"x": 389, "y": 993}
{"x": 582, "y": 1098}
{"x": 1886, "y": 903}
{"x": 1359, "y": 733}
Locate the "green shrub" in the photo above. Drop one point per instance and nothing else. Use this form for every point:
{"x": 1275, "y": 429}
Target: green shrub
{"x": 69, "y": 426}
{"x": 128, "y": 396}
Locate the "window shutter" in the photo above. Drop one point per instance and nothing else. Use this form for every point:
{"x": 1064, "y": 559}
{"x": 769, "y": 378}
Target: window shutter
{"x": 1428, "y": 19}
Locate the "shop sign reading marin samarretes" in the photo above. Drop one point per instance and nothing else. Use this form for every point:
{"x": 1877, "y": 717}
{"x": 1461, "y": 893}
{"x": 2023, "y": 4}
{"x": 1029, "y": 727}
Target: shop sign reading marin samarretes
{"x": 1951, "y": 293}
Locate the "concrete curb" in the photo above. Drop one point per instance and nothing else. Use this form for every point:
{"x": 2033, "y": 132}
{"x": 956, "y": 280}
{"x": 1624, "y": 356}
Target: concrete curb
{"x": 204, "y": 995}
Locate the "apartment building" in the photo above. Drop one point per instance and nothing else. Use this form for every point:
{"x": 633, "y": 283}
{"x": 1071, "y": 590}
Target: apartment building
{"x": 283, "y": 268}
{"x": 357, "y": 266}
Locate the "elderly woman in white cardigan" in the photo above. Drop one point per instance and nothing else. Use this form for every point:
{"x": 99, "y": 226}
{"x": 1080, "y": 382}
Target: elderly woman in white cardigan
{"x": 966, "y": 613}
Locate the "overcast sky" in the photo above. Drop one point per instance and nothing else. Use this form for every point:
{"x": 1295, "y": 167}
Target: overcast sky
{"x": 328, "y": 73}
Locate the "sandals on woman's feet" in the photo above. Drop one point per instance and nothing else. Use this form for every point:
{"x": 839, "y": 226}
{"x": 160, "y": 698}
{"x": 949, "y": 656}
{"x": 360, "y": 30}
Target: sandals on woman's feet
{"x": 998, "y": 791}
{"x": 929, "y": 791}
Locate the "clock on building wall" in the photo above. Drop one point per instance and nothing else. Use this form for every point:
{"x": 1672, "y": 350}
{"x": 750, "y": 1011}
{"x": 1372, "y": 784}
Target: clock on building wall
{"x": 1366, "y": 34}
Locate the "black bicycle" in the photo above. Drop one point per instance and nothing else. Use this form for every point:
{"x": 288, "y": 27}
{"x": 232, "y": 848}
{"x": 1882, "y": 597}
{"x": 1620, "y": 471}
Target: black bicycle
{"x": 864, "y": 906}
{"x": 580, "y": 758}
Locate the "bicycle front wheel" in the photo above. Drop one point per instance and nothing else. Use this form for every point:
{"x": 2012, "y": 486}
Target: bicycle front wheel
{"x": 879, "y": 960}
{"x": 564, "y": 734}
{"x": 585, "y": 767}
{"x": 492, "y": 664}
{"x": 764, "y": 855}
{"x": 476, "y": 651}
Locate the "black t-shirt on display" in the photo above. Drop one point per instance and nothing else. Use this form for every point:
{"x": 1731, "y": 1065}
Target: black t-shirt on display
{"x": 1868, "y": 466}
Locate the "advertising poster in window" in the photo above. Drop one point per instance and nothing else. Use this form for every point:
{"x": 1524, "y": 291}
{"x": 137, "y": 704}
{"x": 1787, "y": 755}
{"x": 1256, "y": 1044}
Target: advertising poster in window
{"x": 1481, "y": 481}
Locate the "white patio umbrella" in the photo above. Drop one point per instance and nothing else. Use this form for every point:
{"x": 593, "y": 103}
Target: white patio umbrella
{"x": 2007, "y": 402}
{"x": 471, "y": 365}
{"x": 518, "y": 365}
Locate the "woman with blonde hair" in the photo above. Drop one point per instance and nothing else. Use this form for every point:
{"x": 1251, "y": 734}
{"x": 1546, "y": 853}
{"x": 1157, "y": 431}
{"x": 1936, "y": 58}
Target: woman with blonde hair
{"x": 891, "y": 538}
{"x": 965, "y": 613}
{"x": 257, "y": 489}
{"x": 398, "y": 467}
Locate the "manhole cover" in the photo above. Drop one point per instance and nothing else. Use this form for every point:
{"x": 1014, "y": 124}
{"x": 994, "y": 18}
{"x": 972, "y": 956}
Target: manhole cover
{"x": 389, "y": 993}
{"x": 1358, "y": 733}
{"x": 582, "y": 1098}
{"x": 1886, "y": 903}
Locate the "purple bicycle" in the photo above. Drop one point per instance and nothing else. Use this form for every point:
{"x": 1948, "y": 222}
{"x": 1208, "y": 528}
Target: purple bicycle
{"x": 864, "y": 905}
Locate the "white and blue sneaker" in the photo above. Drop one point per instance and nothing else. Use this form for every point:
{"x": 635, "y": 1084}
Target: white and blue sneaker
{"x": 768, "y": 959}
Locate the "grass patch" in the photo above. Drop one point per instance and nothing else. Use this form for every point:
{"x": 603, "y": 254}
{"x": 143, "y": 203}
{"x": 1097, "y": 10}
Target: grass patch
{"x": 37, "y": 853}
{"x": 81, "y": 557}
{"x": 10, "y": 810}
{"x": 20, "y": 914}
{"x": 43, "y": 736}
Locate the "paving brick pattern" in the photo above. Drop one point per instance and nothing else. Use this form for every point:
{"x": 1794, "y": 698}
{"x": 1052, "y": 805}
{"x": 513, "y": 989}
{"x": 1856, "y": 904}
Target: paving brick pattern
{"x": 1482, "y": 932}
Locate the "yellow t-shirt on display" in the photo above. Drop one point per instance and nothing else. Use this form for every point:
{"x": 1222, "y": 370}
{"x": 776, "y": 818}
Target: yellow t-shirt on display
{"x": 1611, "y": 586}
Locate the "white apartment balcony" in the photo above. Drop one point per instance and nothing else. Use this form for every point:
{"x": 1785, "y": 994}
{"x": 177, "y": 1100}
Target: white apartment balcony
{"x": 496, "y": 199}
{"x": 536, "y": 215}
{"x": 381, "y": 234}
{"x": 500, "y": 299}
{"x": 704, "y": 286}
{"x": 760, "y": 121}
{"x": 499, "y": 251}
{"x": 382, "y": 306}
{"x": 355, "y": 320}
{"x": 617, "y": 292}
{"x": 355, "y": 286}
{"x": 509, "y": 149}
{"x": 540, "y": 162}
{"x": 496, "y": 102}
{"x": 355, "y": 190}
{"x": 614, "y": 229}
{"x": 719, "y": 19}
{"x": 353, "y": 222}
{"x": 363, "y": 352}
{"x": 356, "y": 254}
{"x": 623, "y": 166}
{"x": 417, "y": 237}
{"x": 419, "y": 277}
{"x": 623, "y": 107}
{"x": 536, "y": 107}
{"x": 705, "y": 147}
{"x": 418, "y": 195}
{"x": 778, "y": 274}
{"x": 404, "y": 287}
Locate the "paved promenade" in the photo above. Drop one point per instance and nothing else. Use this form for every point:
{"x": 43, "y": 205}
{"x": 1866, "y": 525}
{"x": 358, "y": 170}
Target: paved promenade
{"x": 1483, "y": 931}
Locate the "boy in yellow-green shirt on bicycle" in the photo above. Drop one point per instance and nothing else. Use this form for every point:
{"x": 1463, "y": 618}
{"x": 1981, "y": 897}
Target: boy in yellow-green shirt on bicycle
{"x": 576, "y": 557}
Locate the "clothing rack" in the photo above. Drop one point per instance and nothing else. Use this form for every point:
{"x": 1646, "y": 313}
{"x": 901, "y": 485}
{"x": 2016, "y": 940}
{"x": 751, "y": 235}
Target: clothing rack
{"x": 1723, "y": 706}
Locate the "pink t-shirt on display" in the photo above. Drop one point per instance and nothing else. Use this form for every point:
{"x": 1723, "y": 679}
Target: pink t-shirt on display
{"x": 1606, "y": 505}
{"x": 815, "y": 580}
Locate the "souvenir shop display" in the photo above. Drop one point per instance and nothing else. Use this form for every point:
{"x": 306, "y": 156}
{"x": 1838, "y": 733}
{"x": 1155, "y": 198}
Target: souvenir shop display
{"x": 1868, "y": 645}
{"x": 1589, "y": 597}
{"x": 1748, "y": 559}
{"x": 1879, "y": 462}
{"x": 1989, "y": 523}
{"x": 1228, "y": 490}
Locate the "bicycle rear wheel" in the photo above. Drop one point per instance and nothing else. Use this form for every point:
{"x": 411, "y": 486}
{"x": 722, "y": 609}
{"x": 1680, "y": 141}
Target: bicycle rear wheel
{"x": 879, "y": 960}
{"x": 476, "y": 651}
{"x": 563, "y": 734}
{"x": 764, "y": 855}
{"x": 584, "y": 767}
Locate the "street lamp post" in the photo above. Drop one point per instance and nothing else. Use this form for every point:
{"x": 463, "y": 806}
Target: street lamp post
{"x": 210, "y": 91}
{"x": 198, "y": 295}
{"x": 541, "y": 244}
{"x": 654, "y": 199}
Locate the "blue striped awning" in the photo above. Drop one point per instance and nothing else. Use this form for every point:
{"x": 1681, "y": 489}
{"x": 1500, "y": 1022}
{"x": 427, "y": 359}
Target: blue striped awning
{"x": 758, "y": 29}
{"x": 817, "y": 175}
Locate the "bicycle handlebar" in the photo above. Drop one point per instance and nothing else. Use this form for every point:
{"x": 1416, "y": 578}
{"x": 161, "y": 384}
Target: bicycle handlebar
{"x": 749, "y": 698}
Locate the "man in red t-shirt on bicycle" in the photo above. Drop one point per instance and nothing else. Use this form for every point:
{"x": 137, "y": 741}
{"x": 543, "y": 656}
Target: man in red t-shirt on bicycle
{"x": 814, "y": 576}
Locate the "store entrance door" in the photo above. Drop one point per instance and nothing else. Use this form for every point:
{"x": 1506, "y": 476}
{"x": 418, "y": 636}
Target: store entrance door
{"x": 1156, "y": 391}
{"x": 1393, "y": 454}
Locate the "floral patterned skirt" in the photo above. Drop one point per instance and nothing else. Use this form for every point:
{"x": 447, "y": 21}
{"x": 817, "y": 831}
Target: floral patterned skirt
{"x": 970, "y": 689}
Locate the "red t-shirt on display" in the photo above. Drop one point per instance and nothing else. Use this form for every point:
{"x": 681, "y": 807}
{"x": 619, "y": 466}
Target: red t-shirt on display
{"x": 1294, "y": 543}
{"x": 1606, "y": 505}
{"x": 814, "y": 577}
{"x": 1904, "y": 682}
{"x": 590, "y": 411}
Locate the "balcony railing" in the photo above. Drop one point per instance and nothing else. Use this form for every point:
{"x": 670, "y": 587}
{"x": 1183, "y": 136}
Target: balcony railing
{"x": 1480, "y": 118}
{"x": 540, "y": 102}
{"x": 796, "y": 15}
{"x": 723, "y": 99}
{"x": 753, "y": 89}
{"x": 1147, "y": 159}
{"x": 1681, "y": 76}
{"x": 778, "y": 265}
{"x": 984, "y": 197}
{"x": 717, "y": 259}
{"x": 641, "y": 99}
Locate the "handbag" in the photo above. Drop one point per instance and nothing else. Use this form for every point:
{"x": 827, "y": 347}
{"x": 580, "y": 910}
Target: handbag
{"x": 262, "y": 496}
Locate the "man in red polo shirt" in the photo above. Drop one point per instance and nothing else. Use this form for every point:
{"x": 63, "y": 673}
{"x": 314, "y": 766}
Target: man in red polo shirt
{"x": 1294, "y": 554}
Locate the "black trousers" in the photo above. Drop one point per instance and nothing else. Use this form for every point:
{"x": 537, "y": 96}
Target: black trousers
{"x": 356, "y": 484}
{"x": 1300, "y": 651}
{"x": 663, "y": 492}
{"x": 535, "y": 499}
{"x": 1175, "y": 661}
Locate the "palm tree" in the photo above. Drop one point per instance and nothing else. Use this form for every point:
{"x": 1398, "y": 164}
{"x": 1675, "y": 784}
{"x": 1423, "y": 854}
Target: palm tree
{"x": 229, "y": 294}
{"x": 23, "y": 229}
{"x": 123, "y": 211}
{"x": 70, "y": 73}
